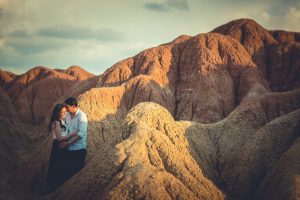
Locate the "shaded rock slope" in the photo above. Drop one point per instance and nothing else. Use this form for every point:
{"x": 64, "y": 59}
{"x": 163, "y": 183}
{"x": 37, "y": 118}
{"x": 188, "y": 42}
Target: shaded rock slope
{"x": 214, "y": 116}
{"x": 34, "y": 92}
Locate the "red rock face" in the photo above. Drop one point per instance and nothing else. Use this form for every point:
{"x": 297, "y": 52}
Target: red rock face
{"x": 79, "y": 73}
{"x": 6, "y": 78}
{"x": 285, "y": 36}
{"x": 276, "y": 53}
{"x": 208, "y": 75}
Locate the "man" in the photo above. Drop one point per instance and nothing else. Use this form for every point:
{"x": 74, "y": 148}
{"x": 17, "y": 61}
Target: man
{"x": 76, "y": 120}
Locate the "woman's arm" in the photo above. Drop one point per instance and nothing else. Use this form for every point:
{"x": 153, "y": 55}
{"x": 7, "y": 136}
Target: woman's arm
{"x": 57, "y": 132}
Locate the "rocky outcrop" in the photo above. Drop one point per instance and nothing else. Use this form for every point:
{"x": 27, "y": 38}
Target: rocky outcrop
{"x": 276, "y": 53}
{"x": 284, "y": 177}
{"x": 79, "y": 73}
{"x": 14, "y": 140}
{"x": 253, "y": 138}
{"x": 6, "y": 79}
{"x": 286, "y": 36}
{"x": 34, "y": 102}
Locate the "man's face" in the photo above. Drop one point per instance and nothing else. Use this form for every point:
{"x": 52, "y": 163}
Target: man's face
{"x": 71, "y": 109}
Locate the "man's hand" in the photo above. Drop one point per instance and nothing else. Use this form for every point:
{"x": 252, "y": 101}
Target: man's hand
{"x": 63, "y": 144}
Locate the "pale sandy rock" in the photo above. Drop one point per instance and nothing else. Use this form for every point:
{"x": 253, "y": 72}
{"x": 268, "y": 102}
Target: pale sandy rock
{"x": 152, "y": 163}
{"x": 157, "y": 161}
{"x": 106, "y": 106}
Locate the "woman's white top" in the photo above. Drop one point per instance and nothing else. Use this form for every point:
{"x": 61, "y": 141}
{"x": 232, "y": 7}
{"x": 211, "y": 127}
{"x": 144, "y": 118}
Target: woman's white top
{"x": 63, "y": 132}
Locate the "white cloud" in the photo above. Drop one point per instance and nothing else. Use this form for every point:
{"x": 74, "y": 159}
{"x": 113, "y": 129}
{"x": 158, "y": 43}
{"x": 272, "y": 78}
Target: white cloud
{"x": 293, "y": 13}
{"x": 66, "y": 31}
{"x": 14, "y": 14}
{"x": 264, "y": 15}
{"x": 292, "y": 19}
{"x": 167, "y": 5}
{"x": 2, "y": 43}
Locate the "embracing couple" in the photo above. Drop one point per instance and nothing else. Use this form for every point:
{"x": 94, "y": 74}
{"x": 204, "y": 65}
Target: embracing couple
{"x": 68, "y": 126}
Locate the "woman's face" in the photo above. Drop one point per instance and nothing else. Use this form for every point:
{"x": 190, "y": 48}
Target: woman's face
{"x": 62, "y": 114}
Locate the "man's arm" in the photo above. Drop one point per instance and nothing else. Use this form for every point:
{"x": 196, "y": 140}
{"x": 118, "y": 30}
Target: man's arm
{"x": 82, "y": 126}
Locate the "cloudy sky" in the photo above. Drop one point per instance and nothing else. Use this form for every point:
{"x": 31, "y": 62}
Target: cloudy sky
{"x": 95, "y": 34}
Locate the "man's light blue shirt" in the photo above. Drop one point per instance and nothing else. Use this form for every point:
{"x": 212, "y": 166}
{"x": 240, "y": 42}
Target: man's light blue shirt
{"x": 78, "y": 123}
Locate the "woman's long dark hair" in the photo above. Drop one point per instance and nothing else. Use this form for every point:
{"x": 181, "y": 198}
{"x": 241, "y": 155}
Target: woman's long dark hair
{"x": 55, "y": 116}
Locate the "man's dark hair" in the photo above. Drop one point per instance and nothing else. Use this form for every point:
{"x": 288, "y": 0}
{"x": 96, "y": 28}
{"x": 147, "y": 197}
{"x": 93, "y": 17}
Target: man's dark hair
{"x": 71, "y": 101}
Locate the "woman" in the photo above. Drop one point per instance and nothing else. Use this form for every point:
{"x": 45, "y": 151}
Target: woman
{"x": 57, "y": 165}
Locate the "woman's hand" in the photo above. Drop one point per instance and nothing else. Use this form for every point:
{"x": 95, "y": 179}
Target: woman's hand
{"x": 63, "y": 144}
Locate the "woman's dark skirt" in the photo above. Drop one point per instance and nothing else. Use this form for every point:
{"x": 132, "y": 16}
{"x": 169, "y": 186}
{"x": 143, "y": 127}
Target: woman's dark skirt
{"x": 57, "y": 170}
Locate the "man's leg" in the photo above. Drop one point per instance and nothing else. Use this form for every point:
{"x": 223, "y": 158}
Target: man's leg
{"x": 80, "y": 158}
{"x": 63, "y": 166}
{"x": 69, "y": 164}
{"x": 76, "y": 163}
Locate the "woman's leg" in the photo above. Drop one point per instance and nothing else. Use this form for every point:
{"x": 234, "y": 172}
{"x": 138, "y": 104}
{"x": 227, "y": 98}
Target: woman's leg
{"x": 63, "y": 164}
{"x": 52, "y": 181}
